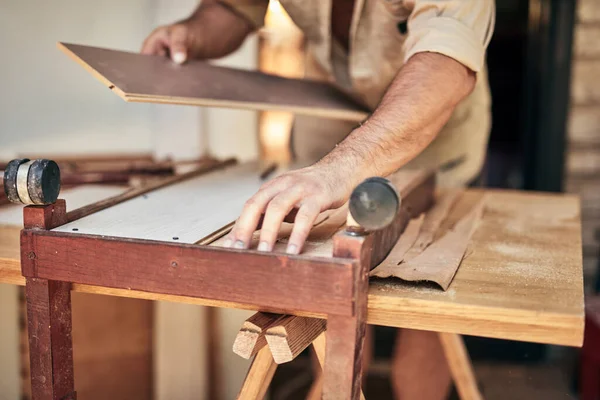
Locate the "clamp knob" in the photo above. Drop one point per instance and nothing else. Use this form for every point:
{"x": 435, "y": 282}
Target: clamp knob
{"x": 374, "y": 204}
{"x": 32, "y": 182}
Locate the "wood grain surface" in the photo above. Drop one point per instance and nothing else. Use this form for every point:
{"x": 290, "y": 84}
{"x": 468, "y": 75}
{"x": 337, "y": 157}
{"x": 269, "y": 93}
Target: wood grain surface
{"x": 319, "y": 346}
{"x": 303, "y": 283}
{"x": 11, "y": 222}
{"x": 154, "y": 79}
{"x": 289, "y": 336}
{"x": 184, "y": 212}
{"x": 50, "y": 340}
{"x": 251, "y": 337}
{"x": 521, "y": 278}
{"x": 460, "y": 366}
{"x": 259, "y": 376}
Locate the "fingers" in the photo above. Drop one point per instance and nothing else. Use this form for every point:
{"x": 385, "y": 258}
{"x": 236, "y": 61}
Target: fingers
{"x": 178, "y": 43}
{"x": 276, "y": 211}
{"x": 244, "y": 227}
{"x": 289, "y": 218}
{"x": 305, "y": 219}
{"x": 171, "y": 39}
{"x": 297, "y": 196}
{"x": 157, "y": 42}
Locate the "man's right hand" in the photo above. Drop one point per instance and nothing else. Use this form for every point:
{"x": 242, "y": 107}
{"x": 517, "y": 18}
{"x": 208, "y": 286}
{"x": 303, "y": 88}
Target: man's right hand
{"x": 212, "y": 31}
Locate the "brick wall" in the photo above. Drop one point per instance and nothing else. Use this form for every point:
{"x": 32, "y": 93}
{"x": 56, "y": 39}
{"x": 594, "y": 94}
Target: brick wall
{"x": 582, "y": 171}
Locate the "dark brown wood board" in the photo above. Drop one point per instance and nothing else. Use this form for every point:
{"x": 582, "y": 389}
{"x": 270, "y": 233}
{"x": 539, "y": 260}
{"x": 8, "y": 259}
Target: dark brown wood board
{"x": 155, "y": 79}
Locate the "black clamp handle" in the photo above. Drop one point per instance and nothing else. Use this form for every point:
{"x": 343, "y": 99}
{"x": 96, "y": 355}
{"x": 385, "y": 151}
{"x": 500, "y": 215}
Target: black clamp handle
{"x": 34, "y": 182}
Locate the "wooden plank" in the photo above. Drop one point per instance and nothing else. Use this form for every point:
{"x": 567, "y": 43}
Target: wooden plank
{"x": 251, "y": 337}
{"x": 520, "y": 279}
{"x": 142, "y": 78}
{"x": 10, "y": 256}
{"x": 290, "y": 335}
{"x": 460, "y": 366}
{"x": 302, "y": 284}
{"x": 259, "y": 376}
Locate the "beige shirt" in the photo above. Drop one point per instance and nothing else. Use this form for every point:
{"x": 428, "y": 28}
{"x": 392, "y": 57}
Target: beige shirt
{"x": 378, "y": 48}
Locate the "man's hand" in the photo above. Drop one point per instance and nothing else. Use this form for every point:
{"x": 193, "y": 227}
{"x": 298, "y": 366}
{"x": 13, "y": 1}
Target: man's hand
{"x": 177, "y": 40}
{"x": 418, "y": 103}
{"x": 309, "y": 190}
{"x": 212, "y": 31}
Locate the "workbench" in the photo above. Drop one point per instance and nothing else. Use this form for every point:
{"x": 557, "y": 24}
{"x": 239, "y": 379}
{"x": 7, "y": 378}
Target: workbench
{"x": 521, "y": 278}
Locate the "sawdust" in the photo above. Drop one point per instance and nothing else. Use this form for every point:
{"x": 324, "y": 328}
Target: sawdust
{"x": 511, "y": 250}
{"x": 525, "y": 270}
{"x": 390, "y": 285}
{"x": 531, "y": 265}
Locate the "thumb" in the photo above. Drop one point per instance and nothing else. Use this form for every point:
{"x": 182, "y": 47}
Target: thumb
{"x": 178, "y": 43}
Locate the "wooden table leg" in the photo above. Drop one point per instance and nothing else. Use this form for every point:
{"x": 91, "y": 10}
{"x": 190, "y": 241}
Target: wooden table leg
{"x": 342, "y": 371}
{"x": 49, "y": 320}
{"x": 319, "y": 346}
{"x": 50, "y": 341}
{"x": 460, "y": 366}
{"x": 343, "y": 367}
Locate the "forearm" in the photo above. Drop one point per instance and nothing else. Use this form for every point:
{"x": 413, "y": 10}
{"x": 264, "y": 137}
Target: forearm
{"x": 417, "y": 105}
{"x": 221, "y": 31}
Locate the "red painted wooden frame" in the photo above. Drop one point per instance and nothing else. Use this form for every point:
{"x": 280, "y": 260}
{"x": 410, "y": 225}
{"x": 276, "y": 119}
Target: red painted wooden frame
{"x": 266, "y": 280}
{"x": 334, "y": 286}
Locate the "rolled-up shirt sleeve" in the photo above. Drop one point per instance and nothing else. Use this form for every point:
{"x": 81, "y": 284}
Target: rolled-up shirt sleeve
{"x": 460, "y": 29}
{"x": 253, "y": 10}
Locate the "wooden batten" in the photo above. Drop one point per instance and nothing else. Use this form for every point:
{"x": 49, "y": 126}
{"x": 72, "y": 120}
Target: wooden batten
{"x": 251, "y": 337}
{"x": 291, "y": 335}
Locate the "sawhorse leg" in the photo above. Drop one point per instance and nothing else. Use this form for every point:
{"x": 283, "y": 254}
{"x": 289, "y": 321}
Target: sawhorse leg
{"x": 50, "y": 341}
{"x": 460, "y": 365}
{"x": 259, "y": 376}
{"x": 286, "y": 336}
{"x": 425, "y": 362}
